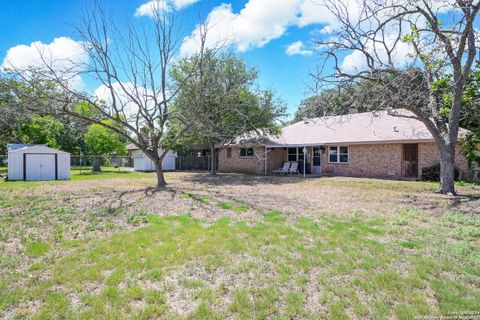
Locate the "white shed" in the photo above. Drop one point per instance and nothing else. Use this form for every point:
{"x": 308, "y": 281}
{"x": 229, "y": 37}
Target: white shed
{"x": 37, "y": 162}
{"x": 143, "y": 163}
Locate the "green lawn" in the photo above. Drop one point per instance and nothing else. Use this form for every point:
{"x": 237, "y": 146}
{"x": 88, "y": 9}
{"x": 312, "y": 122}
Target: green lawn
{"x": 83, "y": 173}
{"x": 252, "y": 263}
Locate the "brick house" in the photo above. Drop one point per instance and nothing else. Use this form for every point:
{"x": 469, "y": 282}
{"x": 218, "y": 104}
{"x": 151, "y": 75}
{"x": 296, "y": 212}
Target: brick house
{"x": 370, "y": 144}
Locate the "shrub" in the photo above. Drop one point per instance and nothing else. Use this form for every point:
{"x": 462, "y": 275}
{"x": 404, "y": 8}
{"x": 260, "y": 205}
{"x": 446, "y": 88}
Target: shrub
{"x": 432, "y": 173}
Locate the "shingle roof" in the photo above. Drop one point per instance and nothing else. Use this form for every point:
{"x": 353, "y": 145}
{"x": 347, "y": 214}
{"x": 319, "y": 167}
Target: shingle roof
{"x": 357, "y": 128}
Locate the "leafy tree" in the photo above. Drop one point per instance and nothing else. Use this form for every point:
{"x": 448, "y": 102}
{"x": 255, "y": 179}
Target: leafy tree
{"x": 42, "y": 130}
{"x": 100, "y": 141}
{"x": 12, "y": 116}
{"x": 20, "y": 124}
{"x": 470, "y": 115}
{"x": 470, "y": 148}
{"x": 221, "y": 100}
{"x": 71, "y": 137}
{"x": 331, "y": 102}
{"x": 470, "y": 118}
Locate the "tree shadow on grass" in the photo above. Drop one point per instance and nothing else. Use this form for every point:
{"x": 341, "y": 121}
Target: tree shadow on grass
{"x": 207, "y": 198}
{"x": 225, "y": 179}
{"x": 131, "y": 198}
{"x": 467, "y": 203}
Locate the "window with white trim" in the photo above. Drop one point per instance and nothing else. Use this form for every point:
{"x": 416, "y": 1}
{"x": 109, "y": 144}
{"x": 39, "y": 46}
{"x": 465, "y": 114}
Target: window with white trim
{"x": 246, "y": 152}
{"x": 338, "y": 154}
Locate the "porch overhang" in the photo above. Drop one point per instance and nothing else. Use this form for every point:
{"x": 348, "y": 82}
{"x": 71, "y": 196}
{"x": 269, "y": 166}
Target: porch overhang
{"x": 271, "y": 146}
{"x": 274, "y": 146}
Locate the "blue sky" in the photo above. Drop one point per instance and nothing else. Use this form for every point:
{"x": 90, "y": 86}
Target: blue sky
{"x": 24, "y": 22}
{"x": 275, "y": 36}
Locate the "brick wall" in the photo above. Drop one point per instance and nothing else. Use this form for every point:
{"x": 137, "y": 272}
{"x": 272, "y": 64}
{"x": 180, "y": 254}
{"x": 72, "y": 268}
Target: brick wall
{"x": 368, "y": 160}
{"x": 378, "y": 160}
{"x": 372, "y": 160}
{"x": 251, "y": 165}
{"x": 428, "y": 155}
{"x": 275, "y": 159}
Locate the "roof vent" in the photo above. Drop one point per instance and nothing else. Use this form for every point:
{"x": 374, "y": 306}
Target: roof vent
{"x": 305, "y": 120}
{"x": 395, "y": 129}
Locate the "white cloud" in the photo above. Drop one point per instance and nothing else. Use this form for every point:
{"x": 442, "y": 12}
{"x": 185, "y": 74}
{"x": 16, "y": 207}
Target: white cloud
{"x": 153, "y": 7}
{"x": 315, "y": 12}
{"x": 220, "y": 32}
{"x": 327, "y": 29}
{"x": 182, "y": 4}
{"x": 260, "y": 22}
{"x": 63, "y": 55}
{"x": 402, "y": 55}
{"x": 297, "y": 48}
{"x": 254, "y": 26}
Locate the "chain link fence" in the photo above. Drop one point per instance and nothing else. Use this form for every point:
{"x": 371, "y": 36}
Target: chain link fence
{"x": 193, "y": 162}
{"x": 86, "y": 163}
{"x": 3, "y": 165}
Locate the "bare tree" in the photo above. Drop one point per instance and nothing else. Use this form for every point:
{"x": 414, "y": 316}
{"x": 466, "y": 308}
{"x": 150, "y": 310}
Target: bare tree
{"x": 416, "y": 55}
{"x": 132, "y": 64}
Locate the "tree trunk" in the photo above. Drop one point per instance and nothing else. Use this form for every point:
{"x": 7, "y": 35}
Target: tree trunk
{"x": 213, "y": 161}
{"x": 160, "y": 177}
{"x": 447, "y": 169}
{"x": 96, "y": 164}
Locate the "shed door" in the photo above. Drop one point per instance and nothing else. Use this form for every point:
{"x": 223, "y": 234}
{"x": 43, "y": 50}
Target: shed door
{"x": 40, "y": 167}
{"x": 410, "y": 160}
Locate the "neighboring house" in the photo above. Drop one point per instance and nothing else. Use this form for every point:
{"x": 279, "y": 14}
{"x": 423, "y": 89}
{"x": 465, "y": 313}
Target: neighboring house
{"x": 37, "y": 162}
{"x": 143, "y": 163}
{"x": 371, "y": 144}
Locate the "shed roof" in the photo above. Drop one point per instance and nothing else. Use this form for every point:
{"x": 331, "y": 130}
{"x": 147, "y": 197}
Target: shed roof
{"x": 32, "y": 148}
{"x": 131, "y": 146}
{"x": 359, "y": 128}
{"x": 15, "y": 146}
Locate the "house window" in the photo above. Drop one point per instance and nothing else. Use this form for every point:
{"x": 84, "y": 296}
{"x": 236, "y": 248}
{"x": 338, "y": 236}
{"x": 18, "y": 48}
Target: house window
{"x": 292, "y": 154}
{"x": 338, "y": 154}
{"x": 229, "y": 152}
{"x": 246, "y": 152}
{"x": 295, "y": 154}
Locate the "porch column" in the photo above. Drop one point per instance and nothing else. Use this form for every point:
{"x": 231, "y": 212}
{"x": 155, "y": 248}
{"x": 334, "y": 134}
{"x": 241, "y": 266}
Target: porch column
{"x": 305, "y": 149}
{"x": 266, "y": 153}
